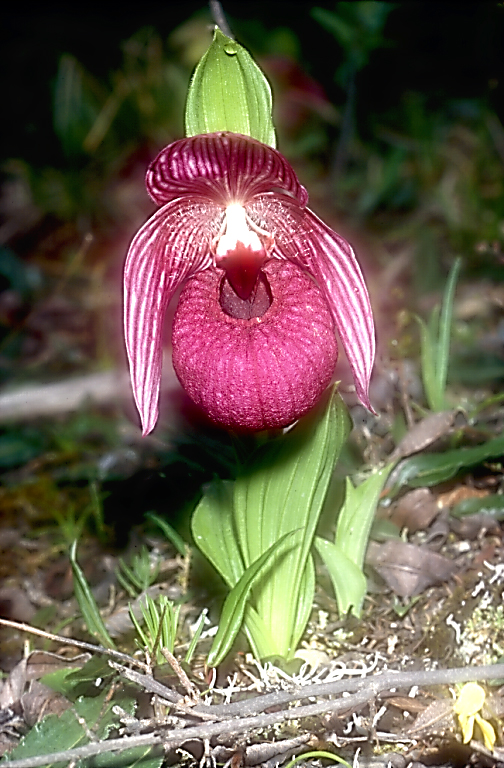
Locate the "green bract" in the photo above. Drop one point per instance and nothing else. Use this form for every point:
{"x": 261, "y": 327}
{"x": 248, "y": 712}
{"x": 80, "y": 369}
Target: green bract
{"x": 228, "y": 92}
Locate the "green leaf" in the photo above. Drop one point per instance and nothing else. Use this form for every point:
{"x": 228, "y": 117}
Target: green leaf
{"x": 214, "y": 533}
{"x": 170, "y": 532}
{"x": 281, "y": 490}
{"x": 52, "y": 734}
{"x": 428, "y": 364}
{"x": 77, "y": 103}
{"x": 73, "y": 683}
{"x": 434, "y": 468}
{"x": 264, "y": 638}
{"x": 228, "y": 92}
{"x": 357, "y": 28}
{"x": 136, "y": 757}
{"x": 258, "y": 634}
{"x": 347, "y": 578}
{"x": 87, "y": 604}
{"x": 198, "y": 629}
{"x": 344, "y": 559}
{"x": 160, "y": 618}
{"x": 235, "y": 603}
{"x": 19, "y": 446}
{"x": 357, "y": 513}
{"x": 56, "y": 733}
{"x": 66, "y": 731}
{"x": 305, "y": 603}
{"x": 490, "y": 505}
{"x": 435, "y": 344}
{"x": 445, "y": 323}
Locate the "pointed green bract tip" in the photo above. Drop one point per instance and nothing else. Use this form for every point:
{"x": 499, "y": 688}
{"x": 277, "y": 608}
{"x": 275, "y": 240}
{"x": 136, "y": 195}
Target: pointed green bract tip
{"x": 228, "y": 92}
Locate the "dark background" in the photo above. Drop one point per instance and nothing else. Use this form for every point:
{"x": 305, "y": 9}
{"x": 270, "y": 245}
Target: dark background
{"x": 444, "y": 50}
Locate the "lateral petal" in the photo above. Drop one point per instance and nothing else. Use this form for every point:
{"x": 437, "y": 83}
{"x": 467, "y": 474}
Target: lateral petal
{"x": 172, "y": 245}
{"x": 304, "y": 239}
{"x": 223, "y": 167}
{"x": 333, "y": 264}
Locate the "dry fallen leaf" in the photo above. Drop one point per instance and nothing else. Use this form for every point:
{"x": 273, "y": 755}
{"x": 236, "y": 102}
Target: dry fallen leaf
{"x": 406, "y": 568}
{"x": 437, "y": 718}
{"x": 426, "y": 432}
{"x": 415, "y": 510}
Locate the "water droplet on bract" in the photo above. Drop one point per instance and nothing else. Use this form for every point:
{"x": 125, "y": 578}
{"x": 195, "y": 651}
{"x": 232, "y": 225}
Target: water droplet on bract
{"x": 231, "y": 49}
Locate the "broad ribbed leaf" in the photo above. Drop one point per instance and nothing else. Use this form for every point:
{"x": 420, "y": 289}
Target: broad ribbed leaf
{"x": 348, "y": 580}
{"x": 235, "y": 604}
{"x": 228, "y": 92}
{"x": 344, "y": 559}
{"x": 357, "y": 514}
{"x": 282, "y": 490}
{"x": 214, "y": 533}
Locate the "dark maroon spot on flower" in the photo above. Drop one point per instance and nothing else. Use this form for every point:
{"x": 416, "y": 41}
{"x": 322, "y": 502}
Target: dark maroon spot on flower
{"x": 257, "y": 303}
{"x": 242, "y": 267}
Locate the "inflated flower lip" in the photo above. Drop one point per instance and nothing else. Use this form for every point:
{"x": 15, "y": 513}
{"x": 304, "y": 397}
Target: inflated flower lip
{"x": 231, "y": 205}
{"x": 266, "y": 361}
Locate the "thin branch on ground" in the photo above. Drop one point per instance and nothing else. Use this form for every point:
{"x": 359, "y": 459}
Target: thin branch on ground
{"x": 75, "y": 643}
{"x": 232, "y": 720}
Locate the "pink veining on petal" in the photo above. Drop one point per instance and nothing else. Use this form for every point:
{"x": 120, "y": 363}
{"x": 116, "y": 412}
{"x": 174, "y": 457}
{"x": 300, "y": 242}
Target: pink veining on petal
{"x": 171, "y": 246}
{"x": 333, "y": 263}
{"x": 196, "y": 180}
{"x": 221, "y": 167}
{"x": 303, "y": 238}
{"x": 257, "y": 373}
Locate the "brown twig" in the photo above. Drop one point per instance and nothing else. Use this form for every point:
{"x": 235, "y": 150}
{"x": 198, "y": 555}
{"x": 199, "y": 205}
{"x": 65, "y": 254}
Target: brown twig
{"x": 365, "y": 690}
{"x": 76, "y": 643}
{"x": 249, "y": 715}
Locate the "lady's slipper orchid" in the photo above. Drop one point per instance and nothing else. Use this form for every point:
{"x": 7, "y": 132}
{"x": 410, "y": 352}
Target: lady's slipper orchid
{"x": 265, "y": 280}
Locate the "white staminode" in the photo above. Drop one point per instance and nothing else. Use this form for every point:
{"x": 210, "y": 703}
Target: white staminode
{"x": 237, "y": 230}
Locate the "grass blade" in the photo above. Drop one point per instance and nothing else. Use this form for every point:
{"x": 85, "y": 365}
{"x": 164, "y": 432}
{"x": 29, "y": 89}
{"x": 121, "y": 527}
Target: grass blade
{"x": 87, "y": 603}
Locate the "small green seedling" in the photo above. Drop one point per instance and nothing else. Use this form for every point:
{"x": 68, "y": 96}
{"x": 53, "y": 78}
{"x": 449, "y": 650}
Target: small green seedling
{"x": 344, "y": 558}
{"x": 158, "y": 628}
{"x": 87, "y": 603}
{"x": 435, "y": 345}
{"x": 142, "y": 571}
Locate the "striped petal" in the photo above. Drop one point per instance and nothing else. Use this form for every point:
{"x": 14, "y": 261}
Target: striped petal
{"x": 171, "y": 246}
{"x": 197, "y": 180}
{"x": 304, "y": 239}
{"x": 223, "y": 167}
